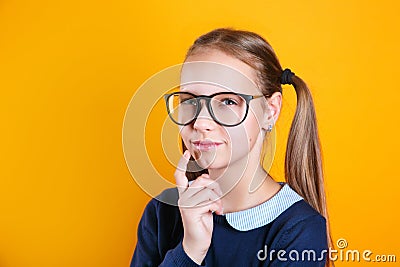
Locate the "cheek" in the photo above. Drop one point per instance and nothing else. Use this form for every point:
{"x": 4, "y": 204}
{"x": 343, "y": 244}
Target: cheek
{"x": 254, "y": 122}
{"x": 241, "y": 138}
{"x": 244, "y": 137}
{"x": 253, "y": 129}
{"x": 184, "y": 133}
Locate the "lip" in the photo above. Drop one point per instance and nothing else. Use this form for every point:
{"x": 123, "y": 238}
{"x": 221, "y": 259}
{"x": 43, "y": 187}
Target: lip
{"x": 206, "y": 145}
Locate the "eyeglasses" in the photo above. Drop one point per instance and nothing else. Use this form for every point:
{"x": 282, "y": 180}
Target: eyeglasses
{"x": 227, "y": 109}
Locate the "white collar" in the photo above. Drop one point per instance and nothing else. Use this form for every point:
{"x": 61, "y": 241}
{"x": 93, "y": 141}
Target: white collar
{"x": 264, "y": 213}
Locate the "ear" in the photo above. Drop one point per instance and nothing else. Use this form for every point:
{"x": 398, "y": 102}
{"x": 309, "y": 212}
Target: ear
{"x": 272, "y": 110}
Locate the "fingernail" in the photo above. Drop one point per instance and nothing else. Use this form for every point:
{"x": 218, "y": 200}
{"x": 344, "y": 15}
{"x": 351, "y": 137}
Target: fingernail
{"x": 186, "y": 154}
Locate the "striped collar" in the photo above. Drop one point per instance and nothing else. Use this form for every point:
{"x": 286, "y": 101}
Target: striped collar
{"x": 263, "y": 214}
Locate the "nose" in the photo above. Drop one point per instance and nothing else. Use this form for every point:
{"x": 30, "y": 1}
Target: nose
{"x": 204, "y": 121}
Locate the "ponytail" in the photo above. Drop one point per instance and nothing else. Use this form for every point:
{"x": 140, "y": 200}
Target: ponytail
{"x": 303, "y": 161}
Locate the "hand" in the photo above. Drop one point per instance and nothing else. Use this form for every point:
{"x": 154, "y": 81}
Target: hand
{"x": 196, "y": 204}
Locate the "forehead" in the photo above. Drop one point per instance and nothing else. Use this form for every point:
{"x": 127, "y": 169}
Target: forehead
{"x": 216, "y": 72}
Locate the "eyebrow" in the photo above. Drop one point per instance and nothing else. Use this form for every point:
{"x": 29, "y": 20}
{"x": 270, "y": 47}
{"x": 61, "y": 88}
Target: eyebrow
{"x": 211, "y": 95}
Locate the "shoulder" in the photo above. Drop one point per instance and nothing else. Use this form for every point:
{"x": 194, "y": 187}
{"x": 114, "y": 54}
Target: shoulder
{"x": 163, "y": 207}
{"x": 299, "y": 237}
{"x": 300, "y": 211}
{"x": 160, "y": 230}
{"x": 301, "y": 225}
{"x": 161, "y": 220}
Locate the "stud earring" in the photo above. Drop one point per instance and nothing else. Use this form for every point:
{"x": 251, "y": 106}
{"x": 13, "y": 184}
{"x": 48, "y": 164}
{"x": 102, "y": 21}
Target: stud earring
{"x": 269, "y": 128}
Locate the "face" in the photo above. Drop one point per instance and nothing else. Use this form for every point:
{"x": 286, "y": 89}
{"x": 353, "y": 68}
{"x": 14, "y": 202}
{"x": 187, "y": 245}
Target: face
{"x": 215, "y": 146}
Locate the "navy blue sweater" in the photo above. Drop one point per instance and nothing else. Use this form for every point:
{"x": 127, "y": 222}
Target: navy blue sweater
{"x": 297, "y": 237}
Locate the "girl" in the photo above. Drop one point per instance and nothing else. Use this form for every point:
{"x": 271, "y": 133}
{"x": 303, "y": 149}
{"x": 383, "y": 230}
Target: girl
{"x": 218, "y": 222}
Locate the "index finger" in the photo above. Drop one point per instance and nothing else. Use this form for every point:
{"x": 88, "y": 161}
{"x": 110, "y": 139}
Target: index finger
{"x": 180, "y": 172}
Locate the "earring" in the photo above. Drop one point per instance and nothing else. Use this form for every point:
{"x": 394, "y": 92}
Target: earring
{"x": 269, "y": 128}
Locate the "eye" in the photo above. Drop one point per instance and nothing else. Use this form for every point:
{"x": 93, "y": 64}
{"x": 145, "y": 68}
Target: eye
{"x": 229, "y": 101}
{"x": 189, "y": 101}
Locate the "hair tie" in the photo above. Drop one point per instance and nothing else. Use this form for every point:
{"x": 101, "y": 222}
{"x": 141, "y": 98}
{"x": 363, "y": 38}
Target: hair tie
{"x": 286, "y": 77}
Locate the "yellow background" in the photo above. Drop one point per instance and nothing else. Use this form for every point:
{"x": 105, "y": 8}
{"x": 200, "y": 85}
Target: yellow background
{"x": 68, "y": 70}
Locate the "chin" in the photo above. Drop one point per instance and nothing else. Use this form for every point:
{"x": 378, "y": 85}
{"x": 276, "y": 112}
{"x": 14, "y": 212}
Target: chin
{"x": 212, "y": 163}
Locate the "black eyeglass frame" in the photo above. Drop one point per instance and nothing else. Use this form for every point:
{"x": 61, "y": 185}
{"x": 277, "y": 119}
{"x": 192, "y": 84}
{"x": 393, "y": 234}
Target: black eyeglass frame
{"x": 207, "y": 99}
